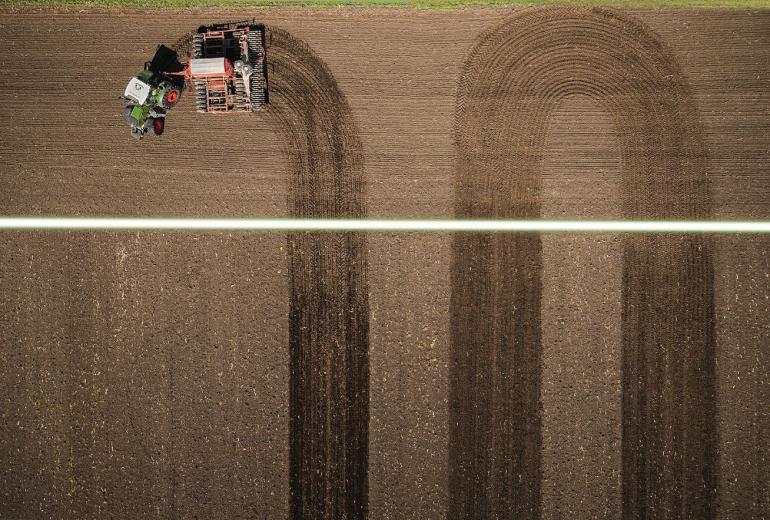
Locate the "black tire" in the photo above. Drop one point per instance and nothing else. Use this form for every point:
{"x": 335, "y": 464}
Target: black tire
{"x": 155, "y": 125}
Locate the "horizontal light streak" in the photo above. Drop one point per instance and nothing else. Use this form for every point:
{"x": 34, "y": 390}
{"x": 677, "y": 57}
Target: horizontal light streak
{"x": 385, "y": 225}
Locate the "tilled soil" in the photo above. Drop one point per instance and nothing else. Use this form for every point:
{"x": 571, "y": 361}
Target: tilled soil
{"x": 400, "y": 376}
{"x": 328, "y": 299}
{"x": 517, "y": 74}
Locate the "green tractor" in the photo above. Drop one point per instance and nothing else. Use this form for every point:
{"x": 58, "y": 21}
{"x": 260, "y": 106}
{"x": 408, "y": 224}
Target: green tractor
{"x": 151, "y": 94}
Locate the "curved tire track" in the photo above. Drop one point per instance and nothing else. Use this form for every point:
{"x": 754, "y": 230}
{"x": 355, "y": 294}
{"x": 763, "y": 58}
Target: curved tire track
{"x": 328, "y": 301}
{"x": 514, "y": 77}
{"x": 329, "y": 308}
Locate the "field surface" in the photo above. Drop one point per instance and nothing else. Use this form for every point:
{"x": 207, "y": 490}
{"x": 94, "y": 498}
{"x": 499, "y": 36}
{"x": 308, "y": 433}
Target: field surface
{"x": 182, "y": 375}
{"x": 417, "y": 4}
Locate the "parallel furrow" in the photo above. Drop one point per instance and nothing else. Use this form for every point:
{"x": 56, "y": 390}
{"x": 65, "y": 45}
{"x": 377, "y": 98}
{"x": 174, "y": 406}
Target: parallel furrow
{"x": 329, "y": 309}
{"x": 513, "y": 79}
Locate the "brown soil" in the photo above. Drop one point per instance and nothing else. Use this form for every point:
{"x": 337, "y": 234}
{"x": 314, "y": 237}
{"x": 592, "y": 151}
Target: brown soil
{"x": 328, "y": 298}
{"x": 328, "y": 305}
{"x": 190, "y": 375}
{"x": 513, "y": 79}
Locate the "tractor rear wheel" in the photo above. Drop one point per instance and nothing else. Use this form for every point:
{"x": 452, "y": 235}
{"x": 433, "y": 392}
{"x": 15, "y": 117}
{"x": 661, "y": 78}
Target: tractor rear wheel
{"x": 156, "y": 125}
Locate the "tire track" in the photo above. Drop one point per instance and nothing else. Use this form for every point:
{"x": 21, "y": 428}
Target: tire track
{"x": 513, "y": 79}
{"x": 328, "y": 301}
{"x": 329, "y": 308}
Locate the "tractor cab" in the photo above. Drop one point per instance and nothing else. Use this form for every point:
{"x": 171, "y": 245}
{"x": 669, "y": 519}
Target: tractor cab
{"x": 151, "y": 93}
{"x": 137, "y": 91}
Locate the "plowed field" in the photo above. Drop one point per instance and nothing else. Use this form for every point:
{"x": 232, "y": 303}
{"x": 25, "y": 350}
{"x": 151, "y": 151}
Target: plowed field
{"x": 181, "y": 375}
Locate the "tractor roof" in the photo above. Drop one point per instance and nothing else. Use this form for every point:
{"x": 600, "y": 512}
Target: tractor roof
{"x": 137, "y": 90}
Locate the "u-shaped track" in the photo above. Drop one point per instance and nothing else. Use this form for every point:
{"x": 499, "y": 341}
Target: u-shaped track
{"x": 513, "y": 79}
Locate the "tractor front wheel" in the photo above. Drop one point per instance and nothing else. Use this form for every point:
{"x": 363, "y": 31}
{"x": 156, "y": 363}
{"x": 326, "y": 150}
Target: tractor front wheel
{"x": 171, "y": 97}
